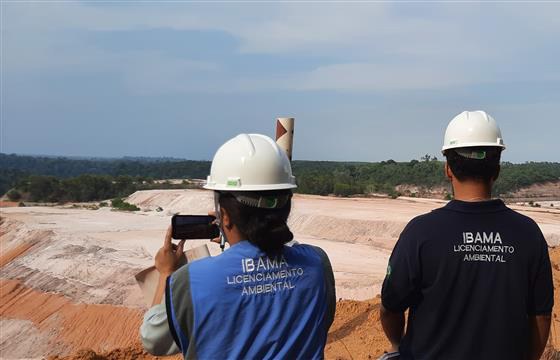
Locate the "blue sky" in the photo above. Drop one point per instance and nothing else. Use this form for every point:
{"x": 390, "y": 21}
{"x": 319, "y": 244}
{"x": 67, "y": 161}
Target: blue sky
{"x": 365, "y": 81}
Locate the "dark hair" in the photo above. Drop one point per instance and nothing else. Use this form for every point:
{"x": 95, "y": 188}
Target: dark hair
{"x": 481, "y": 169}
{"x": 266, "y": 228}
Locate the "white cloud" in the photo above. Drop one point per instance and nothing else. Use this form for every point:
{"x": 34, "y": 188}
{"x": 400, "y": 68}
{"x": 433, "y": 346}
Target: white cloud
{"x": 368, "y": 46}
{"x": 363, "y": 76}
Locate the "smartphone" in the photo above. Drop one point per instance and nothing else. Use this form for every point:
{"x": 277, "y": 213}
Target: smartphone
{"x": 194, "y": 227}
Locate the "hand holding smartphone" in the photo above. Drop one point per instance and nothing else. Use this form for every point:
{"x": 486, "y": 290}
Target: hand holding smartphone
{"x": 194, "y": 227}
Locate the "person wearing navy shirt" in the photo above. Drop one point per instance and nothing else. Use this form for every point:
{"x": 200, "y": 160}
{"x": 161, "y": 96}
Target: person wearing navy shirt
{"x": 474, "y": 275}
{"x": 266, "y": 297}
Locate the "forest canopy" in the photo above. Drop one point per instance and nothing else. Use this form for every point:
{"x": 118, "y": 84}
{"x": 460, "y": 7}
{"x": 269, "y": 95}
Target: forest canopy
{"x": 56, "y": 179}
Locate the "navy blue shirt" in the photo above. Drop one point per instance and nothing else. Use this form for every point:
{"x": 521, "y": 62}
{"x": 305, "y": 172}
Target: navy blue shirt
{"x": 470, "y": 274}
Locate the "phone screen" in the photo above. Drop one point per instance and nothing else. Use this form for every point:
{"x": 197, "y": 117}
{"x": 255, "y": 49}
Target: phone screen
{"x": 194, "y": 227}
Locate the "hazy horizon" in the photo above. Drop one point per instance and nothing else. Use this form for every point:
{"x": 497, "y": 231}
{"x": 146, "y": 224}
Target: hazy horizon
{"x": 126, "y": 157}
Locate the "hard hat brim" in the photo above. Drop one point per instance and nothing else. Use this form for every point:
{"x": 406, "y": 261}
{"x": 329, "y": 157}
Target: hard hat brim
{"x": 473, "y": 144}
{"x": 221, "y": 187}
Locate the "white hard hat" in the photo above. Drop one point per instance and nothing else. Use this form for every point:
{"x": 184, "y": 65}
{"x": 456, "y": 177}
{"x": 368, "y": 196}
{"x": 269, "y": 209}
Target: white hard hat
{"x": 250, "y": 162}
{"x": 472, "y": 128}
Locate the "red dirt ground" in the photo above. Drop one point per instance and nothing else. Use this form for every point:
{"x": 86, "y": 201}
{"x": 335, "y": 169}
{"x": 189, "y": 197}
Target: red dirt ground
{"x": 106, "y": 332}
{"x": 4, "y": 204}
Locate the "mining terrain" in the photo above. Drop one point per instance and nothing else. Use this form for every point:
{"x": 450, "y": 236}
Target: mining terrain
{"x": 67, "y": 272}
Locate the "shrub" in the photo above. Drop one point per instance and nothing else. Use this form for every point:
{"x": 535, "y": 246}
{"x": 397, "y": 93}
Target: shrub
{"x": 394, "y": 194}
{"x": 341, "y": 189}
{"x": 120, "y": 204}
{"x": 14, "y": 195}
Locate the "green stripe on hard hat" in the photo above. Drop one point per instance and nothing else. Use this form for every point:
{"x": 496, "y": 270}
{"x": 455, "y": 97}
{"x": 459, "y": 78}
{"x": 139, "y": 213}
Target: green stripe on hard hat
{"x": 235, "y": 182}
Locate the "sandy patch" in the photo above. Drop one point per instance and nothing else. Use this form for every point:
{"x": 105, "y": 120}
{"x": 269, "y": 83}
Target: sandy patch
{"x": 22, "y": 339}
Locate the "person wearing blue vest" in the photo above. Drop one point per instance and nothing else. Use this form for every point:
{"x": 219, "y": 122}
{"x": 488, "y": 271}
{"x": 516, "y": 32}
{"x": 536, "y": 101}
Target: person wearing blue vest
{"x": 266, "y": 297}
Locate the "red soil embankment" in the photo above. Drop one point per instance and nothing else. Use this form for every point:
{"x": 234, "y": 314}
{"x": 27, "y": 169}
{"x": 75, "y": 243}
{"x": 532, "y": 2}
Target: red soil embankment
{"x": 130, "y": 353}
{"x": 73, "y": 326}
{"x": 10, "y": 251}
{"x": 4, "y": 204}
{"x": 111, "y": 332}
{"x": 555, "y": 326}
{"x": 7, "y": 256}
{"x": 356, "y": 332}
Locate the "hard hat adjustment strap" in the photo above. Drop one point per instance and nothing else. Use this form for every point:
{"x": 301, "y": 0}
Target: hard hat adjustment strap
{"x": 262, "y": 201}
{"x": 223, "y": 238}
{"x": 471, "y": 153}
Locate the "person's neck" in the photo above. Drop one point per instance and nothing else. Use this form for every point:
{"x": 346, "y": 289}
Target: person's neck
{"x": 472, "y": 191}
{"x": 233, "y": 236}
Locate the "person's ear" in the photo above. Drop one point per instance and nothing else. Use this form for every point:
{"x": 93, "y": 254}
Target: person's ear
{"x": 448, "y": 172}
{"x": 225, "y": 219}
{"x": 497, "y": 173}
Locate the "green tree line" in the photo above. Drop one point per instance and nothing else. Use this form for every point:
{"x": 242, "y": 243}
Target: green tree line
{"x": 63, "y": 179}
{"x": 65, "y": 167}
{"x": 83, "y": 188}
{"x": 344, "y": 179}
{"x": 45, "y": 188}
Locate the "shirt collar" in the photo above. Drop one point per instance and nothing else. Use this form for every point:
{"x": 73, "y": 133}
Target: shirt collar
{"x": 485, "y": 206}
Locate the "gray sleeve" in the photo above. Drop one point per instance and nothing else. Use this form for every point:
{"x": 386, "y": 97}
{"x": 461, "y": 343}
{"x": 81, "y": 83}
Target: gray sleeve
{"x": 154, "y": 332}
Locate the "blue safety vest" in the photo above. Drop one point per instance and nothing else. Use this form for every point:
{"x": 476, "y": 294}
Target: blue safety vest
{"x": 245, "y": 305}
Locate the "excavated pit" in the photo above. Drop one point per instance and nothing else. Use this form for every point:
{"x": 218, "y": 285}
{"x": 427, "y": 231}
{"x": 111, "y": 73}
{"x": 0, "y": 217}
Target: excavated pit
{"x": 67, "y": 285}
